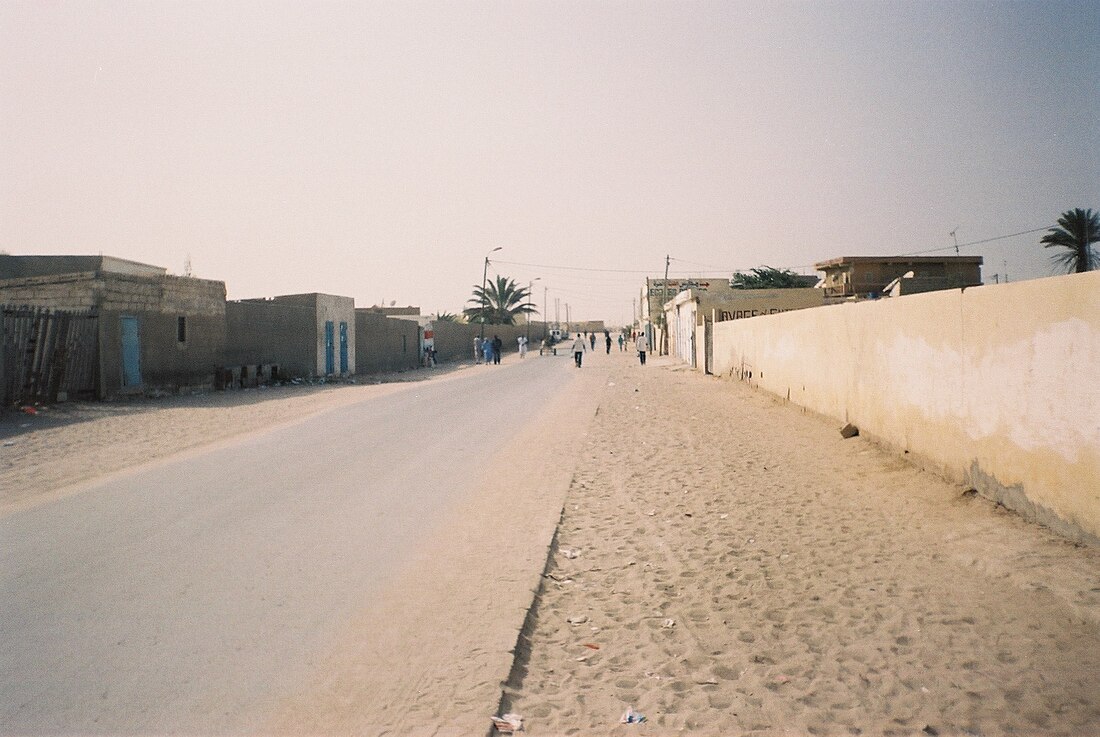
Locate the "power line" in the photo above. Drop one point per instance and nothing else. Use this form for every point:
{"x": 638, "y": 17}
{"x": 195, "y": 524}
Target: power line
{"x": 978, "y": 243}
{"x": 719, "y": 271}
{"x": 575, "y": 268}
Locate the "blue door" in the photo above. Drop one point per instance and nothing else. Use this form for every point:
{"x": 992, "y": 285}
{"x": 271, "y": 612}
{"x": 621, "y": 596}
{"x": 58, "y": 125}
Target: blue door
{"x": 131, "y": 352}
{"x": 343, "y": 348}
{"x": 330, "y": 348}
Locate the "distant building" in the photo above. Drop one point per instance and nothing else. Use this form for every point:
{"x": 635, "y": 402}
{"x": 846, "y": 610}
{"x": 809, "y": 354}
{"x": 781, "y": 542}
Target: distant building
{"x": 392, "y": 311}
{"x": 155, "y": 331}
{"x": 863, "y": 277}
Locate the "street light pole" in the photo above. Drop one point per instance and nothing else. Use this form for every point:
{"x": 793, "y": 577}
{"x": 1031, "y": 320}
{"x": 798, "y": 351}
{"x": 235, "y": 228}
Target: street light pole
{"x": 484, "y": 297}
{"x": 530, "y": 286}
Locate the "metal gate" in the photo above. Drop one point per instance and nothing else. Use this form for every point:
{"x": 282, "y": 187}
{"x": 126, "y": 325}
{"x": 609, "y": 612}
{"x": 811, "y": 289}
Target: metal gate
{"x": 708, "y": 345}
{"x": 343, "y": 348}
{"x": 47, "y": 354}
{"x": 131, "y": 351}
{"x": 330, "y": 348}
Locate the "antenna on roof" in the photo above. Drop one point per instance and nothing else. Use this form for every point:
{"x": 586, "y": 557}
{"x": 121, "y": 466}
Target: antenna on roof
{"x": 952, "y": 234}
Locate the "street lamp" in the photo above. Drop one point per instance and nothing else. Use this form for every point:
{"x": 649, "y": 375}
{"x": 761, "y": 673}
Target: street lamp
{"x": 484, "y": 297}
{"x": 530, "y": 285}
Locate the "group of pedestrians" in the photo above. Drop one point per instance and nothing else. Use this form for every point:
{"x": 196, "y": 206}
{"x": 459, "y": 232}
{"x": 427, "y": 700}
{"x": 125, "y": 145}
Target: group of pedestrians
{"x": 641, "y": 344}
{"x": 487, "y": 350}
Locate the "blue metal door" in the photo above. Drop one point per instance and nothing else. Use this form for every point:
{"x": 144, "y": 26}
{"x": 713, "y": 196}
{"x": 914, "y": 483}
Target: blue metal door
{"x": 330, "y": 348}
{"x": 131, "y": 352}
{"x": 343, "y": 348}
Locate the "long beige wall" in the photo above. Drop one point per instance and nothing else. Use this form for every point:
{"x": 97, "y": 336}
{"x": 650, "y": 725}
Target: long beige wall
{"x": 995, "y": 385}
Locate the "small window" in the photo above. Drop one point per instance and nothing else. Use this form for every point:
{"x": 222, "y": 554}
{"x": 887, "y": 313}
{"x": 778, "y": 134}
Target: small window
{"x": 181, "y": 329}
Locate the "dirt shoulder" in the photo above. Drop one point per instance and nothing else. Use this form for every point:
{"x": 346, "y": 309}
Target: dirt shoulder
{"x": 728, "y": 564}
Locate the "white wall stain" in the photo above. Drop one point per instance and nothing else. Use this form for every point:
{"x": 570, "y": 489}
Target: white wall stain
{"x": 1042, "y": 392}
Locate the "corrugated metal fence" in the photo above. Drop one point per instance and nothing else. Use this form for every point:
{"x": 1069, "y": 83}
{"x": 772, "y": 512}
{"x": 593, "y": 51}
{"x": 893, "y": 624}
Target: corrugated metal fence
{"x": 46, "y": 353}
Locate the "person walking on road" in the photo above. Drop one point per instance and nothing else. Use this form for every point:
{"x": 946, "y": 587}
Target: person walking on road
{"x": 522, "y": 341}
{"x": 578, "y": 349}
{"x": 592, "y": 338}
{"x": 607, "y": 339}
{"x": 498, "y": 345}
{"x": 478, "y": 353}
{"x": 642, "y": 345}
{"x": 487, "y": 350}
{"x": 622, "y": 343}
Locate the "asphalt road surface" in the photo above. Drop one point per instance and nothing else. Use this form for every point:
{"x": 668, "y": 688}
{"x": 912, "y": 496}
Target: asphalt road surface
{"x": 189, "y": 596}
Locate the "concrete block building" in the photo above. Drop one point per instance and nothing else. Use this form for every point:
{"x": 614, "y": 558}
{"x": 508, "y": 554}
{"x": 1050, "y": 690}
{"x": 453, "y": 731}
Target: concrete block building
{"x": 849, "y": 277}
{"x": 304, "y": 335}
{"x": 155, "y": 331}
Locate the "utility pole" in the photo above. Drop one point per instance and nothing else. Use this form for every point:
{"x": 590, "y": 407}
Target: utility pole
{"x": 530, "y": 286}
{"x": 545, "y": 317}
{"x": 484, "y": 298}
{"x": 664, "y": 298}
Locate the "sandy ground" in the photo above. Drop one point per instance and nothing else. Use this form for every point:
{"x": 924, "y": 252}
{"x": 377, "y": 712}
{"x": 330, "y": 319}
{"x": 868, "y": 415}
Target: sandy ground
{"x": 727, "y": 564}
{"x": 724, "y": 564}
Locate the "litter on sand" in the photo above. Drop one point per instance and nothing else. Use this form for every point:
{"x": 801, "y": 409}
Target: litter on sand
{"x": 579, "y": 619}
{"x": 669, "y": 624}
{"x": 508, "y": 723}
{"x": 631, "y": 717}
{"x": 570, "y": 553}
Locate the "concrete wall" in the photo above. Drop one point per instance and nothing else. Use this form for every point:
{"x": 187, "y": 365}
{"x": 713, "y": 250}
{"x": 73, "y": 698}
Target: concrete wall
{"x": 384, "y": 343}
{"x": 455, "y": 341}
{"x": 268, "y": 332}
{"x": 995, "y": 386}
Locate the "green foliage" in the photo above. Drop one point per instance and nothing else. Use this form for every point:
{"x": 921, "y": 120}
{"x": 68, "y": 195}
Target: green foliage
{"x": 1079, "y": 230}
{"x": 499, "y": 303}
{"x": 766, "y": 278}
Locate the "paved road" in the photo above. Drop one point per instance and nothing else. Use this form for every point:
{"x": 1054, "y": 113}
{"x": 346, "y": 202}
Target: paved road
{"x": 189, "y": 597}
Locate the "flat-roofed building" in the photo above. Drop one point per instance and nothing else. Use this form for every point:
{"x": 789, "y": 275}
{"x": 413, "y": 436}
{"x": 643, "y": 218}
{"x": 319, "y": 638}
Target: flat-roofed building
{"x": 868, "y": 277}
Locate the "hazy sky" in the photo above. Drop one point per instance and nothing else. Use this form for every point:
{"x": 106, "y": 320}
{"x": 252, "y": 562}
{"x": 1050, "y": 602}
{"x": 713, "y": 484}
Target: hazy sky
{"x": 380, "y": 149}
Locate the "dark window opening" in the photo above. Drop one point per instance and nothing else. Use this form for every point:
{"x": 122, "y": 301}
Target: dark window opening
{"x": 181, "y": 329}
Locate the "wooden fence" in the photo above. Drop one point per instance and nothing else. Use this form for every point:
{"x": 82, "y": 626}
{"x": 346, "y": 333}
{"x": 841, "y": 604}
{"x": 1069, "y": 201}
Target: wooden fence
{"x": 46, "y": 353}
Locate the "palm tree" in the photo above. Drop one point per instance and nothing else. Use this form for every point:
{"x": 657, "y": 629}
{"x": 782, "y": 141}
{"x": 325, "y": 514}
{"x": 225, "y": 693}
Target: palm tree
{"x": 445, "y": 316}
{"x": 1079, "y": 230}
{"x": 768, "y": 278}
{"x": 499, "y": 303}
